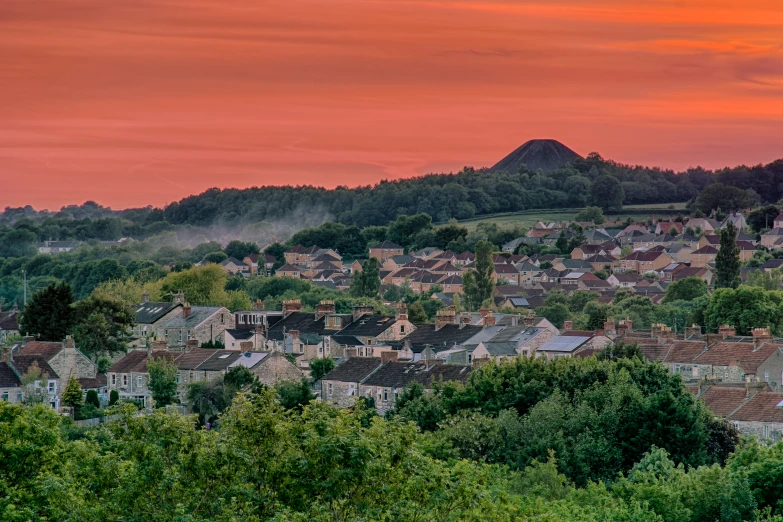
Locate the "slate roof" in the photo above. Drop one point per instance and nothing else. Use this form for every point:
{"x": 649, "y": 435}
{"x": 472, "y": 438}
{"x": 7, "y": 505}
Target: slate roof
{"x": 91, "y": 384}
{"x": 387, "y": 245}
{"x": 445, "y": 337}
{"x": 288, "y": 267}
{"x": 500, "y": 348}
{"x": 148, "y": 313}
{"x": 763, "y": 407}
{"x": 303, "y": 322}
{"x": 198, "y": 314}
{"x": 353, "y": 369}
{"x": 8, "y": 379}
{"x": 234, "y": 260}
{"x": 9, "y": 320}
{"x": 241, "y": 334}
{"x": 219, "y": 360}
{"x": 452, "y": 280}
{"x": 136, "y": 361}
{"x": 22, "y": 363}
{"x": 505, "y": 268}
{"x": 368, "y": 325}
{"x": 347, "y": 340}
{"x": 705, "y": 250}
{"x": 395, "y": 374}
{"x": 565, "y": 343}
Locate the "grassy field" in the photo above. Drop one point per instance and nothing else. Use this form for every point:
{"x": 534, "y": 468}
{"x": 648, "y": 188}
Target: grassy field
{"x": 528, "y": 218}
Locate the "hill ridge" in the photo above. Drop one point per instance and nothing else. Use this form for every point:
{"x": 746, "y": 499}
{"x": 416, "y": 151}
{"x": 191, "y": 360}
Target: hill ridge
{"x": 545, "y": 154}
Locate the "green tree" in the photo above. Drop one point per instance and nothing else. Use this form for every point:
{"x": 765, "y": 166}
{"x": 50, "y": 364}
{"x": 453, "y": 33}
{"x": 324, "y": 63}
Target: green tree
{"x": 417, "y": 314}
{"x": 162, "y": 381}
{"x": 562, "y": 243}
{"x": 114, "y": 397}
{"x": 607, "y": 193}
{"x": 768, "y": 280}
{"x": 594, "y": 214}
{"x": 367, "y": 283}
{"x": 93, "y": 399}
{"x": 294, "y": 394}
{"x": 215, "y": 257}
{"x": 241, "y": 249}
{"x": 49, "y": 314}
{"x": 719, "y": 196}
{"x": 102, "y": 326}
{"x": 320, "y": 367}
{"x": 727, "y": 262}
{"x": 745, "y": 308}
{"x": 620, "y": 350}
{"x": 238, "y": 378}
{"x": 686, "y": 289}
{"x": 478, "y": 283}
{"x": 72, "y": 395}
{"x": 207, "y": 399}
{"x": 457, "y": 303}
{"x": 556, "y": 313}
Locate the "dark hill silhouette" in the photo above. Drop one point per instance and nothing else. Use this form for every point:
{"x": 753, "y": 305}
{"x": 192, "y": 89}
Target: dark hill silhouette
{"x": 547, "y": 155}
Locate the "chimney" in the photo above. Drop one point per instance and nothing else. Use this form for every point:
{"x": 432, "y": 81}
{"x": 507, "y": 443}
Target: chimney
{"x": 361, "y": 310}
{"x": 692, "y": 330}
{"x": 568, "y": 326}
{"x": 156, "y": 346}
{"x": 351, "y": 352}
{"x": 290, "y": 306}
{"x": 324, "y": 307}
{"x": 402, "y": 312}
{"x": 655, "y": 330}
{"x": 390, "y": 355}
{"x": 465, "y": 319}
{"x": 8, "y": 354}
{"x": 191, "y": 345}
{"x": 483, "y": 312}
{"x": 445, "y": 316}
{"x": 530, "y": 319}
{"x": 609, "y": 325}
{"x": 68, "y": 343}
{"x": 727, "y": 331}
{"x": 246, "y": 346}
{"x": 258, "y": 305}
{"x": 179, "y": 297}
{"x": 754, "y": 387}
{"x": 186, "y": 311}
{"x": 489, "y": 319}
{"x": 761, "y": 335}
{"x": 145, "y": 297}
{"x": 625, "y": 325}
{"x": 665, "y": 333}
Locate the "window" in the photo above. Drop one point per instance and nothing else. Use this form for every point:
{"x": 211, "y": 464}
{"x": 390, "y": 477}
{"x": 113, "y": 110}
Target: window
{"x": 52, "y": 387}
{"x": 19, "y": 397}
{"x": 113, "y": 379}
{"x": 178, "y": 377}
{"x": 766, "y": 431}
{"x": 139, "y": 380}
{"x": 330, "y": 388}
{"x": 221, "y": 318}
{"x": 385, "y": 395}
{"x": 5, "y": 396}
{"x": 124, "y": 380}
{"x": 402, "y": 328}
{"x": 766, "y": 375}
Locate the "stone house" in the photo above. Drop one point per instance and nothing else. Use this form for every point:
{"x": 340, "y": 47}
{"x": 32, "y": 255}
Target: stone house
{"x": 10, "y": 382}
{"x": 9, "y": 324}
{"x": 371, "y": 328}
{"x": 772, "y": 238}
{"x": 200, "y": 323}
{"x": 645, "y": 262}
{"x": 340, "y": 387}
{"x": 234, "y": 266}
{"x": 761, "y": 416}
{"x": 385, "y": 249}
{"x": 680, "y": 252}
{"x": 506, "y": 272}
{"x": 151, "y": 316}
{"x": 571, "y": 343}
{"x": 512, "y": 342}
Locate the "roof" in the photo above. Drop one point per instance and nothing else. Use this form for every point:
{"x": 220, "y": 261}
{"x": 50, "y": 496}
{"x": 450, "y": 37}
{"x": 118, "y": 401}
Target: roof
{"x": 233, "y": 260}
{"x": 564, "y": 343}
{"x": 45, "y": 349}
{"x": 8, "y": 379}
{"x": 400, "y": 374}
{"x": 743, "y": 354}
{"x": 387, "y": 245}
{"x": 347, "y": 340}
{"x": 22, "y": 363}
{"x": 91, "y": 384}
{"x": 219, "y": 360}
{"x": 288, "y": 267}
{"x": 198, "y": 314}
{"x": 763, "y": 407}
{"x": 241, "y": 334}
{"x": 505, "y": 268}
{"x": 148, "y": 313}
{"x": 705, "y": 250}
{"x": 136, "y": 361}
{"x": 684, "y": 351}
{"x": 644, "y": 256}
{"x": 723, "y": 400}
{"x": 442, "y": 338}
{"x": 368, "y": 325}
{"x": 353, "y": 369}
{"x": 303, "y": 322}
{"x": 9, "y": 320}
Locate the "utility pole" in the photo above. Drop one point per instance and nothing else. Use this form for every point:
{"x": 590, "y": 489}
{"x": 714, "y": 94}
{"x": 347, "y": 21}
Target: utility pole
{"x": 24, "y": 273}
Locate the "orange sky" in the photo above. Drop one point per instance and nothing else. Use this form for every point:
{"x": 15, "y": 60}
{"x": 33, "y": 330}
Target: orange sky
{"x": 135, "y": 102}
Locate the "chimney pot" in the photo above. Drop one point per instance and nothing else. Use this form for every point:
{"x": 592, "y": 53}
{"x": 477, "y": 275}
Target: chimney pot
{"x": 568, "y": 326}
{"x": 259, "y": 305}
{"x": 186, "y": 310}
{"x": 145, "y": 297}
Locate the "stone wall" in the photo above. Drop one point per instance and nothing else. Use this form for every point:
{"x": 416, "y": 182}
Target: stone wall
{"x": 340, "y": 393}
{"x": 275, "y": 368}
{"x": 70, "y": 362}
{"x": 399, "y": 329}
{"x": 761, "y": 430}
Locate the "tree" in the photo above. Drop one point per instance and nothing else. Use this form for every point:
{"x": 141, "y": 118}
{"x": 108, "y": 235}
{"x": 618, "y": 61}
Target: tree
{"x": 719, "y": 196}
{"x": 594, "y": 214}
{"x": 215, "y": 257}
{"x": 762, "y": 218}
{"x": 416, "y": 313}
{"x": 102, "y": 326}
{"x": 768, "y": 280}
{"x": 620, "y": 350}
{"x": 35, "y": 384}
{"x": 478, "y": 283}
{"x": 49, "y": 315}
{"x": 556, "y": 313}
{"x": 745, "y": 308}
{"x": 163, "y": 380}
{"x": 457, "y": 303}
{"x": 294, "y": 394}
{"x": 727, "y": 262}
{"x": 562, "y": 243}
{"x": 607, "y": 193}
{"x": 686, "y": 289}
{"x": 367, "y": 283}
{"x": 320, "y": 367}
{"x": 207, "y": 399}
{"x": 238, "y": 378}
{"x": 93, "y": 399}
{"x": 114, "y": 397}
{"x": 241, "y": 249}
{"x": 72, "y": 395}
{"x": 277, "y": 251}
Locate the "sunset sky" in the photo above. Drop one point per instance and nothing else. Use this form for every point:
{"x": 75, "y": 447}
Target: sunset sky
{"x": 136, "y": 102}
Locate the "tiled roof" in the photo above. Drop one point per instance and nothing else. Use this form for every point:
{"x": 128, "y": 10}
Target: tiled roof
{"x": 9, "y": 320}
{"x": 387, "y": 245}
{"x": 148, "y": 313}
{"x": 685, "y": 351}
{"x": 452, "y": 280}
{"x": 45, "y": 349}
{"x": 91, "y": 384}
{"x": 23, "y": 363}
{"x": 198, "y": 314}
{"x": 288, "y": 267}
{"x": 763, "y": 407}
{"x": 8, "y": 379}
{"x": 743, "y": 354}
{"x": 353, "y": 369}
{"x": 135, "y": 361}
{"x": 706, "y": 250}
{"x": 723, "y": 400}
